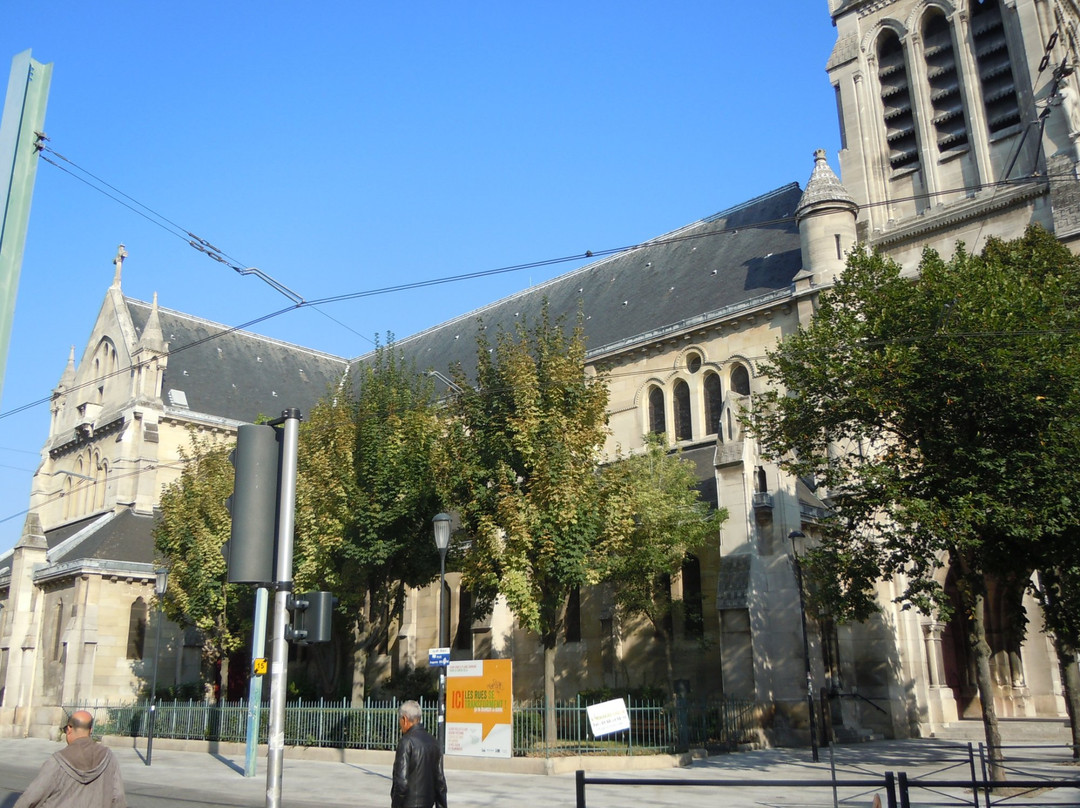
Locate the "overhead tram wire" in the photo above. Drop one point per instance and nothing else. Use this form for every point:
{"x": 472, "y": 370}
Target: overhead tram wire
{"x": 174, "y": 229}
{"x": 209, "y": 249}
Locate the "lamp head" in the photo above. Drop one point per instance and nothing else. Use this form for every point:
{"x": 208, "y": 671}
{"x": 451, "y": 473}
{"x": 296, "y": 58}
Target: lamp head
{"x": 441, "y": 523}
{"x": 797, "y": 539}
{"x": 161, "y": 581}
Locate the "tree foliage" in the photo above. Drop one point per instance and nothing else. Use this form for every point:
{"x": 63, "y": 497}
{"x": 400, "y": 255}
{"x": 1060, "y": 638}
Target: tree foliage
{"x": 193, "y": 525}
{"x": 366, "y": 494}
{"x": 523, "y": 449}
{"x": 660, "y": 520}
{"x": 520, "y": 466}
{"x": 938, "y": 413}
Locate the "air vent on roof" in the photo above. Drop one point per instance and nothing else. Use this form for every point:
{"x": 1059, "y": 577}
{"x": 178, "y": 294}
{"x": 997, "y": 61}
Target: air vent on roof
{"x": 178, "y": 398}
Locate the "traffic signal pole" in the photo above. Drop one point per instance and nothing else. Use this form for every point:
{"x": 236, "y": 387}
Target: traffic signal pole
{"x": 290, "y": 423}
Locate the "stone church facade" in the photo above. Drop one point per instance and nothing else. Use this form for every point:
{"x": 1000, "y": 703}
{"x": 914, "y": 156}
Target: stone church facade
{"x": 959, "y": 121}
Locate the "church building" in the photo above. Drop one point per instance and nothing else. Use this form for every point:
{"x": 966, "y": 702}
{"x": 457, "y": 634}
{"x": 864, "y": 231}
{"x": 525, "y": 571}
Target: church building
{"x": 959, "y": 121}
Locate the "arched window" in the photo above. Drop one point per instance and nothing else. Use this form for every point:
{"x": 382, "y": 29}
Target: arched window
{"x": 896, "y": 102}
{"x": 663, "y": 596}
{"x": 693, "y": 612}
{"x": 740, "y": 380}
{"x": 444, "y": 628}
{"x": 136, "y": 629}
{"x": 572, "y": 623}
{"x": 714, "y": 403}
{"x": 995, "y": 67}
{"x": 684, "y": 428}
{"x": 463, "y": 637}
{"x": 941, "y": 73}
{"x": 693, "y": 362}
{"x": 657, "y": 419}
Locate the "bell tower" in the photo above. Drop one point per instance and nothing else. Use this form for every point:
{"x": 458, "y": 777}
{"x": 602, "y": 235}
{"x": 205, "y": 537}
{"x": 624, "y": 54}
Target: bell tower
{"x": 954, "y": 116}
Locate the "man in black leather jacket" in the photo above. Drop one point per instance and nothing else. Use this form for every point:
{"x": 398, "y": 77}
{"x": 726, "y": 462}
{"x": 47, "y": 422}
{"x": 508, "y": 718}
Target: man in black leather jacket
{"x": 418, "y": 766}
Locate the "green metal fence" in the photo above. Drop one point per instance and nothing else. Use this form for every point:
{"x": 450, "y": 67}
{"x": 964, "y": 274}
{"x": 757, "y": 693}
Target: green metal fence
{"x": 655, "y": 728}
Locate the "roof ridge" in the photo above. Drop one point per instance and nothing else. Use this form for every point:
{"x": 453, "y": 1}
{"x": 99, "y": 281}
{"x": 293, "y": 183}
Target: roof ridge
{"x": 234, "y": 330}
{"x": 757, "y": 200}
{"x": 472, "y": 315}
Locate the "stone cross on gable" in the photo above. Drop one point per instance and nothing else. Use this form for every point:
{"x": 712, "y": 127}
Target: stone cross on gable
{"x": 121, "y": 254}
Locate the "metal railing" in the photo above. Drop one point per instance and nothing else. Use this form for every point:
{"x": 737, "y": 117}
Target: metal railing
{"x": 655, "y": 728}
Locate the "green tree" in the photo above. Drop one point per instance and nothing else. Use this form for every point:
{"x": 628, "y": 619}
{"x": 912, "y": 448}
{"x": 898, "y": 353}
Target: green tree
{"x": 659, "y": 519}
{"x": 520, "y": 466}
{"x": 193, "y": 525}
{"x": 938, "y": 411}
{"x": 365, "y": 499}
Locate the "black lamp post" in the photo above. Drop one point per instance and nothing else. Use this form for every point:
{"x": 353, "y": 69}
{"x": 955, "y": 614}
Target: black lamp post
{"x": 793, "y": 536}
{"x": 442, "y": 541}
{"x": 161, "y": 582}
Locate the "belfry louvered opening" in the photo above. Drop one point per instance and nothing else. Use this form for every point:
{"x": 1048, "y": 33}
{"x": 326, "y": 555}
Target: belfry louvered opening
{"x": 949, "y": 125}
{"x": 896, "y": 102}
{"x": 995, "y": 68}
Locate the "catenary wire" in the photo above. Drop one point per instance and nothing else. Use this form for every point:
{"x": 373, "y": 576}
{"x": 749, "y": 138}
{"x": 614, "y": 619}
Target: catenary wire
{"x": 209, "y": 249}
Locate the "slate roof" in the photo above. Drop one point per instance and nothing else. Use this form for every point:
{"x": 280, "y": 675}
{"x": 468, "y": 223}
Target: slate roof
{"x": 236, "y": 374}
{"x": 111, "y": 539}
{"x": 726, "y": 260}
{"x": 114, "y": 536}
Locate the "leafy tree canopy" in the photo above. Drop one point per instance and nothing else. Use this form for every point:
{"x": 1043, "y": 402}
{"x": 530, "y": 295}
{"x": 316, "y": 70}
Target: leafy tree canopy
{"x": 938, "y": 411}
{"x": 366, "y": 490}
{"x": 193, "y": 525}
{"x": 660, "y": 518}
{"x": 520, "y": 465}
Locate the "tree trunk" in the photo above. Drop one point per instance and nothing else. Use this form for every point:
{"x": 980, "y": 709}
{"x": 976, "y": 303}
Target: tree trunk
{"x": 1070, "y": 682}
{"x": 551, "y": 730}
{"x": 980, "y": 651}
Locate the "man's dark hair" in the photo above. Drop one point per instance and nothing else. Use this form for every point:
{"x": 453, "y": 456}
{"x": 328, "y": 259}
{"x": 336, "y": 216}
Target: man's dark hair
{"x": 76, "y": 723}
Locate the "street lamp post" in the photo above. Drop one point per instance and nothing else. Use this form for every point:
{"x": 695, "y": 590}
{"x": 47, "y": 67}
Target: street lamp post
{"x": 442, "y": 541}
{"x": 793, "y": 536}
{"x": 161, "y": 582}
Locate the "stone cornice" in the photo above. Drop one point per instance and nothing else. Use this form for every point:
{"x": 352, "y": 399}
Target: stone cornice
{"x": 955, "y": 215}
{"x": 696, "y": 323}
{"x": 93, "y": 566}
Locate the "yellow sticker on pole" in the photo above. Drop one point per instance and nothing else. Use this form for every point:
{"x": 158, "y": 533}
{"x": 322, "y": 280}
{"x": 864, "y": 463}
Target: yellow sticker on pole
{"x": 259, "y": 666}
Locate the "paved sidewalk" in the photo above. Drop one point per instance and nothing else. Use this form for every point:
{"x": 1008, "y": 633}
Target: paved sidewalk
{"x": 217, "y": 779}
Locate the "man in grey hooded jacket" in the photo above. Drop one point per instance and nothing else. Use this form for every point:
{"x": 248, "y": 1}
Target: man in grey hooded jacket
{"x": 84, "y": 774}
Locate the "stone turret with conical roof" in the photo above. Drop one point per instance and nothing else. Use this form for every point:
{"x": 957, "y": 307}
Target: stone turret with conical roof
{"x": 826, "y": 219}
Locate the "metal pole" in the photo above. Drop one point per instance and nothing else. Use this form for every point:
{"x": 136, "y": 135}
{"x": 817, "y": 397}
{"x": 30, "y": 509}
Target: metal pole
{"x": 258, "y": 647}
{"x": 806, "y": 658}
{"x": 443, "y": 640}
{"x": 153, "y": 689}
{"x": 275, "y": 755}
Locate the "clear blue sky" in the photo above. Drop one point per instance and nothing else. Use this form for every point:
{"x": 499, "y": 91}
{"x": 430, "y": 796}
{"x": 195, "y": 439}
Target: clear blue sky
{"x": 349, "y": 146}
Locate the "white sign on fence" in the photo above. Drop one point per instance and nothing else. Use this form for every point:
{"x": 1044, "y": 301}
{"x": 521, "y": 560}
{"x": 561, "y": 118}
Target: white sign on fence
{"x": 607, "y": 717}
